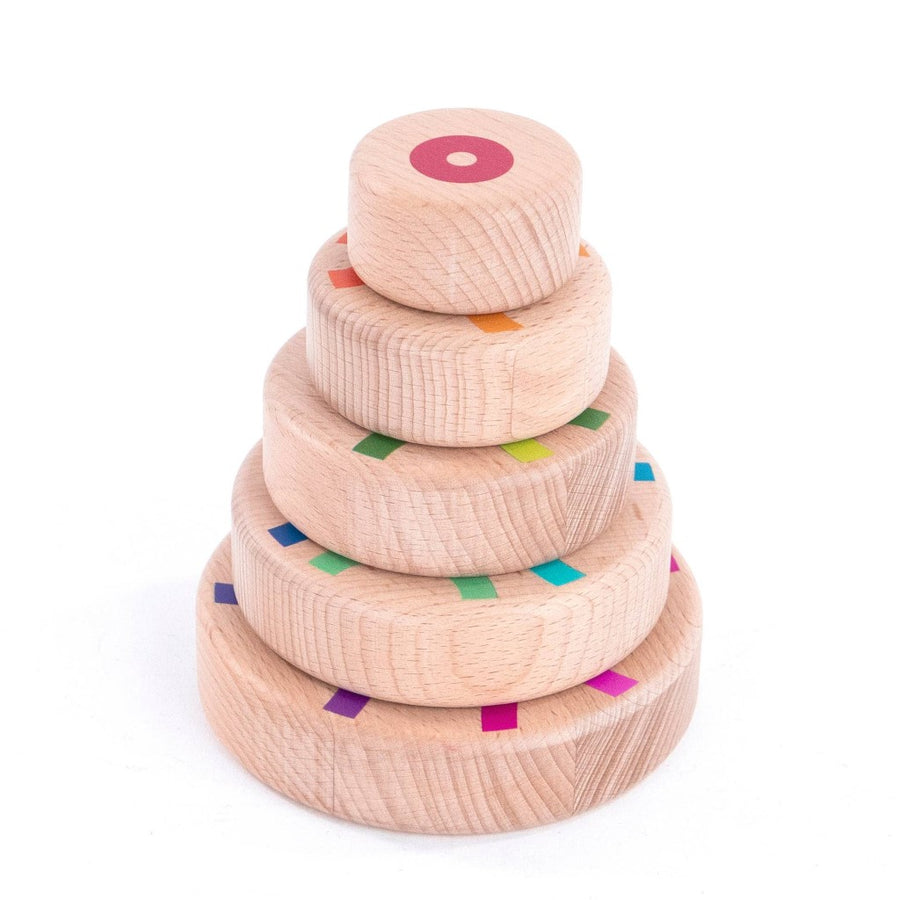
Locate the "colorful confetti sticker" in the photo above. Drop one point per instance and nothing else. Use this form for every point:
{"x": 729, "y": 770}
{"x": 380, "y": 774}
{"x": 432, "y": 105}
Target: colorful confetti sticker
{"x": 557, "y": 573}
{"x": 673, "y": 565}
{"x": 475, "y": 587}
{"x": 287, "y": 535}
{"x": 378, "y": 446}
{"x": 224, "y": 593}
{"x": 611, "y": 683}
{"x": 528, "y": 450}
{"x": 345, "y": 278}
{"x": 346, "y": 703}
{"x": 493, "y": 323}
{"x": 502, "y": 717}
{"x": 590, "y": 418}
{"x": 332, "y": 563}
{"x": 643, "y": 471}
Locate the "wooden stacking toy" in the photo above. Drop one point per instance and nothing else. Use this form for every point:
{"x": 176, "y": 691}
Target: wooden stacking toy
{"x": 449, "y": 601}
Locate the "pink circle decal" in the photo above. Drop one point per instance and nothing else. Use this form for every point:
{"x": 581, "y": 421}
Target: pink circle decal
{"x": 431, "y": 158}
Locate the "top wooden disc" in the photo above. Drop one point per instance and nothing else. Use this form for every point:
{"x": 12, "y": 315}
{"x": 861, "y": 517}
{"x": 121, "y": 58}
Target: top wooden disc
{"x": 464, "y": 211}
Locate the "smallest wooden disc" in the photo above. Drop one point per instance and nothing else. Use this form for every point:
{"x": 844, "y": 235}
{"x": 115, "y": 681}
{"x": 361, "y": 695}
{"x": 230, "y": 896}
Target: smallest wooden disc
{"x": 464, "y": 210}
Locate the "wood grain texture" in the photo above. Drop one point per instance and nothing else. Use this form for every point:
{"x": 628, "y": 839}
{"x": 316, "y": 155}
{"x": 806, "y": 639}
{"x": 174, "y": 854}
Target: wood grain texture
{"x": 435, "y": 770}
{"x": 456, "y": 381}
{"x": 488, "y": 246}
{"x": 441, "y": 510}
{"x": 446, "y": 642}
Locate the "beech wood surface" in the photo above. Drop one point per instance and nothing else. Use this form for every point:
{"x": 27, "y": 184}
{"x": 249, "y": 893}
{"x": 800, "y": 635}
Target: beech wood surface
{"x": 439, "y": 510}
{"x": 448, "y": 771}
{"x": 446, "y": 642}
{"x": 430, "y": 238}
{"x": 457, "y": 381}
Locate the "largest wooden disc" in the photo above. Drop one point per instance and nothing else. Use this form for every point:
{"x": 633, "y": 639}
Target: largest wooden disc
{"x": 452, "y": 642}
{"x": 448, "y": 771}
{"x": 443, "y": 510}
{"x": 456, "y": 381}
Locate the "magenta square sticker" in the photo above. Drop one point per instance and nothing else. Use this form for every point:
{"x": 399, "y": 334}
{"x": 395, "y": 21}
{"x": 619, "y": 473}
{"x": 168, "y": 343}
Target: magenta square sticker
{"x": 611, "y": 683}
{"x": 502, "y": 717}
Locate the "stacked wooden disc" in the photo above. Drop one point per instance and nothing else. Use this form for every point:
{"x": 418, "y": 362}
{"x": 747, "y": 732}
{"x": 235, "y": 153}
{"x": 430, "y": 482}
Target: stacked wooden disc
{"x": 449, "y": 602}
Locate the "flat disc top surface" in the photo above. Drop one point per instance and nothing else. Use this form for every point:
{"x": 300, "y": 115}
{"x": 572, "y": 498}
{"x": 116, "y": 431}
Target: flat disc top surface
{"x": 428, "y": 155}
{"x": 583, "y": 301}
{"x": 425, "y": 153}
{"x": 612, "y": 557}
{"x": 290, "y": 391}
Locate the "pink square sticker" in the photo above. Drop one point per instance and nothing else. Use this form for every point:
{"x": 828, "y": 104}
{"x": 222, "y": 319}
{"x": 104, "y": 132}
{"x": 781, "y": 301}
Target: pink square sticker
{"x": 611, "y": 683}
{"x": 502, "y": 717}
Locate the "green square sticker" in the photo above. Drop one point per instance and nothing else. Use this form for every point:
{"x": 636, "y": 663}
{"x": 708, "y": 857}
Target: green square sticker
{"x": 332, "y": 563}
{"x": 475, "y": 587}
{"x": 378, "y": 445}
{"x": 590, "y": 418}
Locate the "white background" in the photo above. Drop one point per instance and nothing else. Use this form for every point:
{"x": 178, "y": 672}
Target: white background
{"x": 168, "y": 171}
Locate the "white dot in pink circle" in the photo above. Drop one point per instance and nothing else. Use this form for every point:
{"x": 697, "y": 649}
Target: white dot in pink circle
{"x": 461, "y": 158}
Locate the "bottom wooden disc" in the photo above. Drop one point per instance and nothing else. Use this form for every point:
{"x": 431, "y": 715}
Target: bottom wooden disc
{"x": 445, "y": 771}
